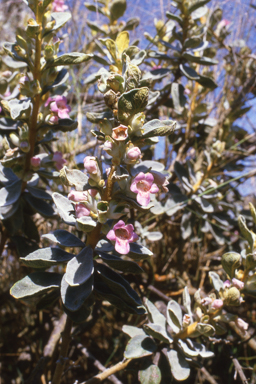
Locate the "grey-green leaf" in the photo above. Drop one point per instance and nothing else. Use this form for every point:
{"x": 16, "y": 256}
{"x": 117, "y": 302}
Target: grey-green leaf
{"x": 74, "y": 297}
{"x": 216, "y": 281}
{"x": 69, "y": 59}
{"x": 133, "y": 331}
{"x": 158, "y": 128}
{"x": 157, "y": 332}
{"x": 65, "y": 208}
{"x": 155, "y": 316}
{"x": 10, "y": 194}
{"x": 132, "y": 102}
{"x": 46, "y": 257}
{"x": 35, "y": 284}
{"x": 139, "y": 346}
{"x": 18, "y": 107}
{"x": 150, "y": 375}
{"x": 64, "y": 238}
{"x": 80, "y": 268}
{"x": 174, "y": 316}
{"x": 179, "y": 366}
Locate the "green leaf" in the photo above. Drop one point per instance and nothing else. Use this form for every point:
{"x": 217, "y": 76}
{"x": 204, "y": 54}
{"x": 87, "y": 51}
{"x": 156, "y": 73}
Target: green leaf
{"x": 158, "y": 128}
{"x": 40, "y": 206}
{"x": 81, "y": 315}
{"x": 230, "y": 262}
{"x": 132, "y": 102}
{"x": 179, "y": 100}
{"x": 174, "y": 316}
{"x": 75, "y": 178}
{"x": 60, "y": 19}
{"x": 150, "y": 375}
{"x": 95, "y": 8}
{"x": 18, "y": 107}
{"x": 192, "y": 43}
{"x": 118, "y": 285}
{"x": 80, "y": 268}
{"x": 133, "y": 331}
{"x": 105, "y": 293}
{"x": 61, "y": 78}
{"x": 39, "y": 193}
{"x": 46, "y": 257}
{"x": 74, "y": 297}
{"x": 199, "y": 59}
{"x": 196, "y": 5}
{"x": 186, "y": 300}
{"x": 96, "y": 28}
{"x": 199, "y": 12}
{"x": 246, "y": 233}
{"x": 154, "y": 315}
{"x": 174, "y": 17}
{"x": 111, "y": 47}
{"x": 69, "y": 59}
{"x": 64, "y": 125}
{"x": 65, "y": 208}
{"x": 35, "y": 284}
{"x": 183, "y": 176}
{"x": 179, "y": 366}
{"x": 10, "y": 50}
{"x": 104, "y": 246}
{"x": 10, "y": 194}
{"x": 139, "y": 346}
{"x": 116, "y": 262}
{"x": 117, "y": 9}
{"x": 250, "y": 285}
{"x": 157, "y": 332}
{"x": 215, "y": 281}
{"x": 187, "y": 351}
{"x": 97, "y": 117}
{"x": 205, "y": 329}
{"x": 85, "y": 223}
{"x": 64, "y": 238}
{"x": 191, "y": 74}
{"x": 139, "y": 252}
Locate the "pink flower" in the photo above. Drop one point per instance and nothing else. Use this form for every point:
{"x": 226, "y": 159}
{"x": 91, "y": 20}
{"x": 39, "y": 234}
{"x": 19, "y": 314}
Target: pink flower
{"x": 93, "y": 192}
{"x": 35, "y": 161}
{"x": 237, "y": 283}
{"x": 120, "y": 133}
{"x": 59, "y": 161}
{"x": 59, "y": 106}
{"x": 123, "y": 235}
{"x": 107, "y": 146}
{"x": 143, "y": 185}
{"x": 227, "y": 284}
{"x": 156, "y": 67}
{"x": 81, "y": 210}
{"x": 241, "y": 324}
{"x": 133, "y": 153}
{"x": 217, "y": 304}
{"x": 54, "y": 119}
{"x": 90, "y": 164}
{"x": 186, "y": 319}
{"x": 78, "y": 196}
{"x": 206, "y": 301}
{"x": 59, "y": 6}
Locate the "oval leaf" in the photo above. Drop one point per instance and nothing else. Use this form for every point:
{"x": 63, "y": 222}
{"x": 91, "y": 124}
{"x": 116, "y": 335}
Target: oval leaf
{"x": 80, "y": 268}
{"x": 139, "y": 346}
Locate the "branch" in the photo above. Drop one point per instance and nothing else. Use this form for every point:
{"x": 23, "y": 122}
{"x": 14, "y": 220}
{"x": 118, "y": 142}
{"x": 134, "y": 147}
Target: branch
{"x": 98, "y": 364}
{"x": 108, "y": 372}
{"x": 240, "y": 371}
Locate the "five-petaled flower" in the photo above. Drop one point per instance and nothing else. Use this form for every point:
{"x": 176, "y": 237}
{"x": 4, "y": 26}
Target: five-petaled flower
{"x": 59, "y": 6}
{"x": 143, "y": 184}
{"x": 123, "y": 235}
{"x": 59, "y": 106}
{"x": 120, "y": 133}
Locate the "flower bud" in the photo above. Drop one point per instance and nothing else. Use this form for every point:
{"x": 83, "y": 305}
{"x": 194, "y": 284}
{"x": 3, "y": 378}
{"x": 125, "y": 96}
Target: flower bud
{"x": 78, "y": 196}
{"x": 206, "y": 301}
{"x": 24, "y": 146}
{"x": 232, "y": 296}
{"x": 241, "y": 324}
{"x": 90, "y": 164}
{"x": 217, "y": 304}
{"x": 35, "y": 161}
{"x": 237, "y": 283}
{"x": 227, "y": 284}
{"x": 186, "y": 320}
{"x": 133, "y": 154}
{"x": 81, "y": 210}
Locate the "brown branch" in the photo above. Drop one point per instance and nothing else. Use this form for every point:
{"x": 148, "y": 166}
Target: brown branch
{"x": 207, "y": 376}
{"x": 66, "y": 338}
{"x": 239, "y": 370}
{"x": 108, "y": 372}
{"x": 38, "y": 371}
{"x": 98, "y": 364}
